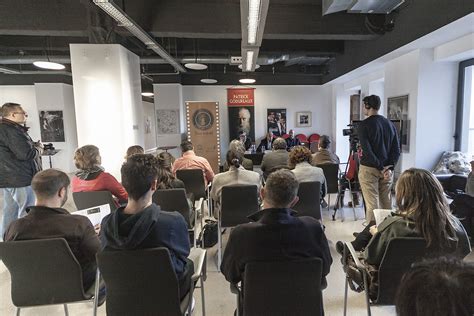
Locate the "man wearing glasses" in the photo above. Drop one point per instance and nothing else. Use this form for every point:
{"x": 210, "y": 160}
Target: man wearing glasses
{"x": 20, "y": 160}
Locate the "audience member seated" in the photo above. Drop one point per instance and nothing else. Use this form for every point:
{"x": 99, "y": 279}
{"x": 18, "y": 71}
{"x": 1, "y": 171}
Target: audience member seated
{"x": 275, "y": 159}
{"x": 452, "y": 162}
{"x": 132, "y": 150}
{"x": 236, "y": 146}
{"x": 324, "y": 155}
{"x": 266, "y": 143}
{"x": 292, "y": 141}
{"x": 91, "y": 175}
{"x": 442, "y": 286}
{"x": 142, "y": 224}
{"x": 235, "y": 176}
{"x": 189, "y": 160}
{"x": 245, "y": 140}
{"x": 300, "y": 159}
{"x": 166, "y": 178}
{"x": 47, "y": 219}
{"x": 423, "y": 211}
{"x": 276, "y": 234}
{"x": 463, "y": 204}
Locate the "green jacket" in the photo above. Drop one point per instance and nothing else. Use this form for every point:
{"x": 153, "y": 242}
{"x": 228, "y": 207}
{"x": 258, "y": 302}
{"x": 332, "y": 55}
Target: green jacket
{"x": 398, "y": 226}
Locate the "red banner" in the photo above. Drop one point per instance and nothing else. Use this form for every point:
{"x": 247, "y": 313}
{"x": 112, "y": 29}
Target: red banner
{"x": 240, "y": 97}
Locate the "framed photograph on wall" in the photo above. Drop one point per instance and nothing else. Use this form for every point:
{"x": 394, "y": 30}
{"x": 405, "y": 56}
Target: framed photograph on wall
{"x": 276, "y": 121}
{"x": 51, "y": 126}
{"x": 303, "y": 119}
{"x": 355, "y": 107}
{"x": 397, "y": 109}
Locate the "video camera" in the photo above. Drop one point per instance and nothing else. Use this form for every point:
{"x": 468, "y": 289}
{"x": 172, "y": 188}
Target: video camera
{"x": 352, "y": 133}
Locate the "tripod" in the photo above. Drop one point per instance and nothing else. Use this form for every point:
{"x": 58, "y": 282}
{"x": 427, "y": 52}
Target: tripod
{"x": 350, "y": 175}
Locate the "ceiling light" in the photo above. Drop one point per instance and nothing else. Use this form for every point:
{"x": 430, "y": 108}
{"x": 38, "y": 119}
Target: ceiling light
{"x": 208, "y": 80}
{"x": 256, "y": 66}
{"x": 195, "y": 66}
{"x": 48, "y": 65}
{"x": 249, "y": 60}
{"x": 148, "y": 94}
{"x": 247, "y": 80}
{"x": 253, "y": 21}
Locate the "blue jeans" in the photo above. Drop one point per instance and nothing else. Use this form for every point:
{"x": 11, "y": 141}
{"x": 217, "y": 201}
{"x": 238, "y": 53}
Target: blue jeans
{"x": 15, "y": 202}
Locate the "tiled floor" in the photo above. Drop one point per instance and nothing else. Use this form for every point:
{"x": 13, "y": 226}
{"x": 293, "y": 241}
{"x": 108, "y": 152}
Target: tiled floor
{"x": 219, "y": 299}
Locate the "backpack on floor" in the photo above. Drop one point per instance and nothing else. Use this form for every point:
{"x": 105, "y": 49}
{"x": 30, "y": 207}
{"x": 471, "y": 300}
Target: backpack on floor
{"x": 209, "y": 234}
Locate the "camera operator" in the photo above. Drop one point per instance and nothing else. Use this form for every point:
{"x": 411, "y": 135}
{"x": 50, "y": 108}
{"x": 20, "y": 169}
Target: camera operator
{"x": 380, "y": 148}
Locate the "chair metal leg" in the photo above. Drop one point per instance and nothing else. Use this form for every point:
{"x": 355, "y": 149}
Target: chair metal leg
{"x": 17, "y": 311}
{"x": 329, "y": 201}
{"x": 202, "y": 297}
{"x": 367, "y": 299}
{"x": 353, "y": 202}
{"x": 66, "y": 311}
{"x": 219, "y": 248}
{"x": 346, "y": 293}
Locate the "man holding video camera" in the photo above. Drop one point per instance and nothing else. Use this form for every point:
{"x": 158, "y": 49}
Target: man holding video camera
{"x": 380, "y": 148}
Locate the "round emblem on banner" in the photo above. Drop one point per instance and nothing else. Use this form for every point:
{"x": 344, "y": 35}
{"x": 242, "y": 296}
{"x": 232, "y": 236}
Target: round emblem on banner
{"x": 203, "y": 119}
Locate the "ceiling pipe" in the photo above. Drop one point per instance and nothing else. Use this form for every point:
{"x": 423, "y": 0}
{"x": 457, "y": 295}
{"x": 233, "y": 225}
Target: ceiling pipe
{"x": 262, "y": 60}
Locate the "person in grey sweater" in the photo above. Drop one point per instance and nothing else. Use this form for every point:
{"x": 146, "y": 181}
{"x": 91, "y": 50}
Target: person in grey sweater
{"x": 300, "y": 160}
{"x": 278, "y": 158}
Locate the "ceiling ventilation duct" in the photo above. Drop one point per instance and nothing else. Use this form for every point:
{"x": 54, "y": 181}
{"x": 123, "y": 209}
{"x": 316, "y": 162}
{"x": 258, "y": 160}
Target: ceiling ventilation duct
{"x": 361, "y": 6}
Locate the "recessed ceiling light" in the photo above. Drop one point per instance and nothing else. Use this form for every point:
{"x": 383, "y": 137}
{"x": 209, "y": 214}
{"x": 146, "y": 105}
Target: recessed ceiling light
{"x": 256, "y": 66}
{"x": 148, "y": 94}
{"x": 247, "y": 80}
{"x": 195, "y": 66}
{"x": 208, "y": 80}
{"x": 48, "y": 65}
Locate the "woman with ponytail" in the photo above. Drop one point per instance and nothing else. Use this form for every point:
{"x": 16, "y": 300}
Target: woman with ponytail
{"x": 237, "y": 174}
{"x": 166, "y": 178}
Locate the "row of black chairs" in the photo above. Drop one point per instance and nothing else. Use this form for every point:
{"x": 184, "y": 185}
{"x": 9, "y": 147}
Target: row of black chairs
{"x": 140, "y": 282}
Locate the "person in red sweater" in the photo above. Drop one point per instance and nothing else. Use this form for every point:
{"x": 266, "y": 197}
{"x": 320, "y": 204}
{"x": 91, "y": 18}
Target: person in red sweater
{"x": 91, "y": 175}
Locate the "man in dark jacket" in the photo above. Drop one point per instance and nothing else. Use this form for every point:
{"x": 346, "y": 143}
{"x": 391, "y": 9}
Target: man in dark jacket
{"x": 48, "y": 220}
{"x": 142, "y": 224}
{"x": 278, "y": 158}
{"x": 20, "y": 160}
{"x": 277, "y": 234}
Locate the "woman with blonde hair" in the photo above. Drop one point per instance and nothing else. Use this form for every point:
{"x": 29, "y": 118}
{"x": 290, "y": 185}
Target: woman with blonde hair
{"x": 299, "y": 160}
{"x": 91, "y": 175}
{"x": 133, "y": 150}
{"x": 236, "y": 146}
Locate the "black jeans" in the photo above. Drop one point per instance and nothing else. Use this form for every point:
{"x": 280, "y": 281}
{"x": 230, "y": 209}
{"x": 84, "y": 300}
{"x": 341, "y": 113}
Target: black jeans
{"x": 184, "y": 279}
{"x": 362, "y": 240}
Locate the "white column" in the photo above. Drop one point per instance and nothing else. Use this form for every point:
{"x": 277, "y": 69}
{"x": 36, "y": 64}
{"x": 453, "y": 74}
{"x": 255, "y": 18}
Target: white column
{"x": 107, "y": 94}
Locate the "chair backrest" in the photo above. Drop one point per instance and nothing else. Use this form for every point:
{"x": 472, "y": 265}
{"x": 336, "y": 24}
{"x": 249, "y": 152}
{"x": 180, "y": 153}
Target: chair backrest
{"x": 173, "y": 200}
{"x": 285, "y": 136}
{"x": 314, "y": 138}
{"x": 140, "y": 282}
{"x": 313, "y": 146}
{"x": 193, "y": 182}
{"x": 309, "y": 203}
{"x": 90, "y": 199}
{"x": 400, "y": 254}
{"x": 237, "y": 202}
{"x": 283, "y": 288}
{"x": 331, "y": 173}
{"x": 43, "y": 272}
{"x": 302, "y": 138}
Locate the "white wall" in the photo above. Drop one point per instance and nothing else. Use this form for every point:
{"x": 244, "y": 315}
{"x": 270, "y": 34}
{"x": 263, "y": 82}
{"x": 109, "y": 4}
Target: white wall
{"x": 50, "y": 97}
{"x": 316, "y": 99}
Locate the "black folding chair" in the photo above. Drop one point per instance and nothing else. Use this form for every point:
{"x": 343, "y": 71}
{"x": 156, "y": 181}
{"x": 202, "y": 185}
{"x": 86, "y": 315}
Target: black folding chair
{"x": 237, "y": 202}
{"x": 84, "y": 200}
{"x": 175, "y": 200}
{"x": 45, "y": 272}
{"x": 331, "y": 173}
{"x": 194, "y": 183}
{"x": 281, "y": 288}
{"x": 309, "y": 203}
{"x": 143, "y": 282}
{"x": 400, "y": 254}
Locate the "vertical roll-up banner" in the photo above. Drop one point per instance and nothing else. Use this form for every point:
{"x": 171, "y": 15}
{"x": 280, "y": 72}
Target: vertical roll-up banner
{"x": 240, "y": 102}
{"x": 202, "y": 121}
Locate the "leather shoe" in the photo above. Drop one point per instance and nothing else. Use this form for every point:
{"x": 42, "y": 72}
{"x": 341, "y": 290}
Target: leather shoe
{"x": 355, "y": 234}
{"x": 340, "y": 247}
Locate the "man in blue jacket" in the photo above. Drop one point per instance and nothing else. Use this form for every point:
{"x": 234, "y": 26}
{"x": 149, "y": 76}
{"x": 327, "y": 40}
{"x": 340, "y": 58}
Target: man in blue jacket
{"x": 141, "y": 224}
{"x": 20, "y": 160}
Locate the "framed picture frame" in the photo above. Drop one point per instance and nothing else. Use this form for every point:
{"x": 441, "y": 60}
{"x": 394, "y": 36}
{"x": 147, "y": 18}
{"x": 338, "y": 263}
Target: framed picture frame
{"x": 276, "y": 121}
{"x": 397, "y": 109}
{"x": 303, "y": 119}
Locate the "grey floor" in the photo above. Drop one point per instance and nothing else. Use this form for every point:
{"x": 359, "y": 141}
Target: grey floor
{"x": 219, "y": 299}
